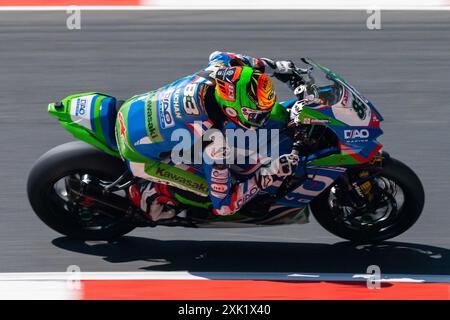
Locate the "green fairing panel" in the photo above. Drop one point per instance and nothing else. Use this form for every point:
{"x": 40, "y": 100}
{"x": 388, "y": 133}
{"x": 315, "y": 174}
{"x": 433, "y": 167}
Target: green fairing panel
{"x": 192, "y": 203}
{"x": 314, "y": 114}
{"x": 126, "y": 149}
{"x": 79, "y": 129}
{"x": 177, "y": 177}
{"x": 279, "y": 113}
{"x": 340, "y": 159}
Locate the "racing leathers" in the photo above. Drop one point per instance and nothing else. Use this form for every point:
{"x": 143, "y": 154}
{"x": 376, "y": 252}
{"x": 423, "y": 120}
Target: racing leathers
{"x": 151, "y": 128}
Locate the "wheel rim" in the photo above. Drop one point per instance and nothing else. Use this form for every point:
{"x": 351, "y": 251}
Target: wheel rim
{"x": 383, "y": 215}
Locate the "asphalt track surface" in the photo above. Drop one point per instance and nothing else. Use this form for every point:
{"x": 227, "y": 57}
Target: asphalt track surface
{"x": 403, "y": 68}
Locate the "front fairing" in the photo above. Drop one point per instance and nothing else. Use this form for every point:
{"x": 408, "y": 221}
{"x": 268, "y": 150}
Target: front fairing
{"x": 333, "y": 102}
{"x": 350, "y": 87}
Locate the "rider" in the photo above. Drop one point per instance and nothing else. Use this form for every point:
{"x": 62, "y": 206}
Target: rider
{"x": 233, "y": 91}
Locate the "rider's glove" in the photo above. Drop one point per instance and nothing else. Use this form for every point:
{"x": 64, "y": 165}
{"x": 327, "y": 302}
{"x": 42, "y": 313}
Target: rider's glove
{"x": 287, "y": 163}
{"x": 284, "y": 73}
{"x": 284, "y": 166}
{"x": 284, "y": 67}
{"x": 278, "y": 68}
{"x": 283, "y": 70}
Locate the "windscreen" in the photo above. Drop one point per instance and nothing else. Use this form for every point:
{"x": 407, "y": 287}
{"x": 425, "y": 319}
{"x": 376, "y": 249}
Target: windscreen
{"x": 323, "y": 86}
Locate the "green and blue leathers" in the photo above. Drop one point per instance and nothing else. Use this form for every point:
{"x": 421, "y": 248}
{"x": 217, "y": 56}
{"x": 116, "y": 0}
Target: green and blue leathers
{"x": 149, "y": 127}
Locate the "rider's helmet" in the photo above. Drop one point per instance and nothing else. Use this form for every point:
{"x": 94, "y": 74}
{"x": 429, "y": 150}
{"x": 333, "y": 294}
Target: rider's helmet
{"x": 245, "y": 95}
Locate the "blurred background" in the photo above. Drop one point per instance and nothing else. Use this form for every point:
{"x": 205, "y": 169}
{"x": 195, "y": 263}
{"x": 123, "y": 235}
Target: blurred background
{"x": 403, "y": 68}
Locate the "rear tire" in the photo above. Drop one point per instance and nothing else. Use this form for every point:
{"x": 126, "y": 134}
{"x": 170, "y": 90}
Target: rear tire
{"x": 63, "y": 161}
{"x": 407, "y": 215}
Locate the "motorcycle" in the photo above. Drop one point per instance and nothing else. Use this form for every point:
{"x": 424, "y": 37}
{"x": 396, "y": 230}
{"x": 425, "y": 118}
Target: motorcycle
{"x": 351, "y": 187}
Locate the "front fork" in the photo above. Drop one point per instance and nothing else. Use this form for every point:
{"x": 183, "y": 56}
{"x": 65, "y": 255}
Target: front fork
{"x": 357, "y": 183}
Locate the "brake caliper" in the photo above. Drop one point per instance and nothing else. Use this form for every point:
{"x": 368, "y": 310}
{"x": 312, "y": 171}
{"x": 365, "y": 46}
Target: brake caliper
{"x": 365, "y": 187}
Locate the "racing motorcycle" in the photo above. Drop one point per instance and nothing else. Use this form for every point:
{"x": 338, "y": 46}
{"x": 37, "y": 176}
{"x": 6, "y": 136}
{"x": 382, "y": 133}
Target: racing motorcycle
{"x": 351, "y": 187}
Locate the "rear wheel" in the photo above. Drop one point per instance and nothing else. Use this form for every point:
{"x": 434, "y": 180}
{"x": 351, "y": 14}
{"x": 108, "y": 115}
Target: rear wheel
{"x": 397, "y": 202}
{"x": 52, "y": 197}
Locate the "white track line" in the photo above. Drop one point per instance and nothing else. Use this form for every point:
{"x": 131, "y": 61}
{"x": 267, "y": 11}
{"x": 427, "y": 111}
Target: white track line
{"x": 244, "y": 8}
{"x": 184, "y": 275}
{"x": 70, "y": 286}
{"x": 38, "y": 290}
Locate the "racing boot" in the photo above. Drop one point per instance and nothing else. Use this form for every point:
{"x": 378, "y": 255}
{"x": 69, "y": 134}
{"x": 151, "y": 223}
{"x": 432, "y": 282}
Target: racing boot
{"x": 155, "y": 201}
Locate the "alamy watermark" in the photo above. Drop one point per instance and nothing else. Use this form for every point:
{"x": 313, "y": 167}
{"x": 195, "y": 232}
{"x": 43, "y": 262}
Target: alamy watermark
{"x": 373, "y": 21}
{"x": 73, "y": 21}
{"x": 73, "y": 280}
{"x": 374, "y": 279}
{"x": 234, "y": 146}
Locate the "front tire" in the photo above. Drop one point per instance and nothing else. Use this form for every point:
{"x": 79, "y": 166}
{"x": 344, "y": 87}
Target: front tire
{"x": 62, "y": 161}
{"x": 406, "y": 216}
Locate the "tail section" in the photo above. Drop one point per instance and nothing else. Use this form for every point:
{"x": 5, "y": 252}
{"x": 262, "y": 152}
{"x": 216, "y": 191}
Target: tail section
{"x": 89, "y": 117}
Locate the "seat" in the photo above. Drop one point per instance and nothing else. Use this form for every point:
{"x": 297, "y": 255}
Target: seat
{"x": 108, "y": 114}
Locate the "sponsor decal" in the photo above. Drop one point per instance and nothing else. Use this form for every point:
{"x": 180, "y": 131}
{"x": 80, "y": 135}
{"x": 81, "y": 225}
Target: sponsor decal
{"x": 310, "y": 188}
{"x": 345, "y": 96}
{"x": 80, "y": 107}
{"x": 176, "y": 104}
{"x": 218, "y": 195}
{"x": 225, "y": 79}
{"x": 166, "y": 118}
{"x": 229, "y": 74}
{"x": 247, "y": 196}
{"x": 226, "y": 90}
{"x": 231, "y": 112}
{"x": 174, "y": 177}
{"x": 152, "y": 123}
{"x": 80, "y": 111}
{"x": 231, "y": 93}
{"x": 356, "y": 134}
{"x": 219, "y": 187}
{"x": 123, "y": 129}
{"x": 219, "y": 174}
{"x": 315, "y": 121}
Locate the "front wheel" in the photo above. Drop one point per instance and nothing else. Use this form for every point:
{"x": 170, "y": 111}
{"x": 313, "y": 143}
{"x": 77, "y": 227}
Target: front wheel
{"x": 397, "y": 202}
{"x": 52, "y": 198}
